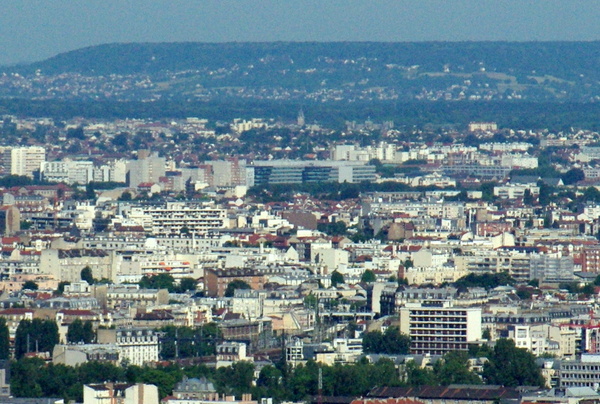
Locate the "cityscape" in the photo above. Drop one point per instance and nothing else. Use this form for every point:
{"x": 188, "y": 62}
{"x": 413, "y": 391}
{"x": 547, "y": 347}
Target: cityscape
{"x": 228, "y": 214}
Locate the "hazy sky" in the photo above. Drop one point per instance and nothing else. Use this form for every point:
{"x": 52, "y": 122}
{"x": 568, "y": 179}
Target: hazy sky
{"x": 34, "y": 30}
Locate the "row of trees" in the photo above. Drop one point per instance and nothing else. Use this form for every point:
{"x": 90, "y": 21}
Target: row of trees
{"x": 507, "y": 365}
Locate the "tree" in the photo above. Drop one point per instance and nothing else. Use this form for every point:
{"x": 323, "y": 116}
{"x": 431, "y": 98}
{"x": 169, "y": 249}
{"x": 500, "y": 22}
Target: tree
{"x": 160, "y": 281}
{"x": 511, "y": 366}
{"x": 368, "y": 276}
{"x": 4, "y": 340}
{"x": 60, "y": 289}
{"x": 80, "y": 331}
{"x": 270, "y": 382}
{"x": 454, "y": 369}
{"x": 187, "y": 284}
{"x": 336, "y": 278}
{"x": 235, "y": 284}
{"x": 90, "y": 191}
{"x": 35, "y": 335}
{"x": 590, "y": 194}
{"x": 527, "y": 197}
{"x": 125, "y": 196}
{"x": 392, "y": 341}
{"x": 310, "y": 301}
{"x": 485, "y": 280}
{"x": 30, "y": 285}
{"x": 573, "y": 176}
{"x": 87, "y": 275}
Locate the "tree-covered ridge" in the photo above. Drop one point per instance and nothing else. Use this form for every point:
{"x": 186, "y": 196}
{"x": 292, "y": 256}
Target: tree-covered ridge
{"x": 531, "y": 58}
{"x": 395, "y": 71}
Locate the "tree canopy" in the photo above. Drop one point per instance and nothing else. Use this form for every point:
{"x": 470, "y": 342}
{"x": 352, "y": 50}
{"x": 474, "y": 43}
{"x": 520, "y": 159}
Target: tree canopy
{"x": 35, "y": 336}
{"x": 337, "y": 278}
{"x": 368, "y": 276}
{"x": 392, "y": 341}
{"x": 511, "y": 366}
{"x": 79, "y": 331}
{"x": 235, "y": 284}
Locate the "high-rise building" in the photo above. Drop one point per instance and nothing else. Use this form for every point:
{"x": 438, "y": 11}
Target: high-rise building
{"x": 438, "y": 328}
{"x": 147, "y": 169}
{"x": 26, "y": 160}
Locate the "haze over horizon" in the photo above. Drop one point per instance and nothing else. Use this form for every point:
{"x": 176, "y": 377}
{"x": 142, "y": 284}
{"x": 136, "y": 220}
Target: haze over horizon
{"x": 36, "y": 30}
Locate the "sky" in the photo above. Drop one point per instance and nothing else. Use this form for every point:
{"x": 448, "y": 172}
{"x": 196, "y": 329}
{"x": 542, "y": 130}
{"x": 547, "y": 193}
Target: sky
{"x": 32, "y": 30}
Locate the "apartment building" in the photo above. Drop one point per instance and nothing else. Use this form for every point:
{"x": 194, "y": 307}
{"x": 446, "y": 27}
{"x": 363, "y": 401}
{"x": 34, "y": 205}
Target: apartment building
{"x": 173, "y": 218}
{"x": 438, "y": 328}
{"x": 137, "y": 346}
{"x": 25, "y": 161}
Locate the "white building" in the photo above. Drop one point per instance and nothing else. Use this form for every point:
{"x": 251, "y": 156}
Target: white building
{"x": 26, "y": 160}
{"x": 147, "y": 169}
{"x": 68, "y": 172}
{"x": 173, "y": 217}
{"x": 119, "y": 393}
{"x": 437, "y": 329}
{"x": 137, "y": 346}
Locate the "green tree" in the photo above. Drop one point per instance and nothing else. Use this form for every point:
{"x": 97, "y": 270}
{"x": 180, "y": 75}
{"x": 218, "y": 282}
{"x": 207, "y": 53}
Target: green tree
{"x": 590, "y": 194}
{"x": 35, "y": 335}
{"x": 4, "y": 340}
{"x": 527, "y": 197}
{"x": 486, "y": 280}
{"x": 237, "y": 378}
{"x": 188, "y": 342}
{"x": 87, "y": 275}
{"x": 30, "y": 285}
{"x": 511, "y": 366}
{"x": 160, "y": 281}
{"x": 487, "y": 190}
{"x": 270, "y": 383}
{"x": 79, "y": 331}
{"x": 90, "y": 191}
{"x": 336, "y": 278}
{"x": 235, "y": 284}
{"x": 454, "y": 369}
{"x": 368, "y": 276}
{"x": 187, "y": 284}
{"x": 125, "y": 196}
{"x": 573, "y": 176}
{"x": 60, "y": 289}
{"x": 310, "y": 301}
{"x": 417, "y": 376}
{"x": 392, "y": 341}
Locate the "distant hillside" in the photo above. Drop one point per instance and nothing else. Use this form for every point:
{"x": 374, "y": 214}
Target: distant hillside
{"x": 566, "y": 60}
{"x": 321, "y": 72}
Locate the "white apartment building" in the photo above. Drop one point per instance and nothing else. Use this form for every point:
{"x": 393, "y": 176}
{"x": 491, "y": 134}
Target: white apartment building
{"x": 174, "y": 217}
{"x": 514, "y": 191}
{"x": 147, "y": 169}
{"x": 439, "y": 328}
{"x": 26, "y": 160}
{"x": 68, "y": 172}
{"x": 137, "y": 346}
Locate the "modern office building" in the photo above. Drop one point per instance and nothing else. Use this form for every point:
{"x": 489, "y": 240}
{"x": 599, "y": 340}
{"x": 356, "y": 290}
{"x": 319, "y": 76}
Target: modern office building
{"x": 296, "y": 172}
